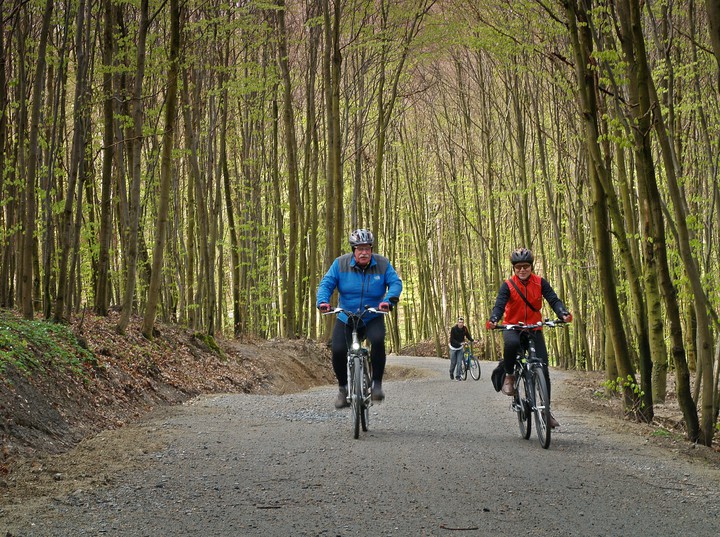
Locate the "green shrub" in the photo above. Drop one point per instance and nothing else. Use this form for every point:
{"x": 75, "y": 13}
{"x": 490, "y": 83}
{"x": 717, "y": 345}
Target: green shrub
{"x": 31, "y": 346}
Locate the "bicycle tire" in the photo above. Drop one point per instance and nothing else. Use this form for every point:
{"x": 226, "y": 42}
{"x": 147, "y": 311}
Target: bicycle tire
{"x": 542, "y": 408}
{"x": 356, "y": 396}
{"x": 463, "y": 369}
{"x": 475, "y": 371}
{"x": 367, "y": 380}
{"x": 523, "y": 408}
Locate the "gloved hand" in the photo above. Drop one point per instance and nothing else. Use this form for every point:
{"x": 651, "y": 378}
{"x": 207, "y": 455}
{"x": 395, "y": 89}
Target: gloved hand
{"x": 489, "y": 325}
{"x": 384, "y": 306}
{"x": 324, "y": 307}
{"x": 567, "y": 317}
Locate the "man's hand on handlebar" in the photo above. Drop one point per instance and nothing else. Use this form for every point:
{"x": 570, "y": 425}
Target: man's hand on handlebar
{"x": 324, "y": 307}
{"x": 567, "y": 317}
{"x": 490, "y": 325}
{"x": 384, "y": 306}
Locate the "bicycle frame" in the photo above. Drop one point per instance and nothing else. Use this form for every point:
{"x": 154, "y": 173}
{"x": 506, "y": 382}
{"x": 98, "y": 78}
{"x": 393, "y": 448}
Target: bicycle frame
{"x": 358, "y": 372}
{"x": 531, "y": 397}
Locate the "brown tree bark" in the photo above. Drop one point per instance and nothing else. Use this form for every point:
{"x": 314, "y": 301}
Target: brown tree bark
{"x": 166, "y": 169}
{"x": 27, "y": 274}
{"x": 135, "y": 153}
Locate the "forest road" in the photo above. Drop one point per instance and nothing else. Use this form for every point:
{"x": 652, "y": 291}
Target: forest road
{"x": 440, "y": 458}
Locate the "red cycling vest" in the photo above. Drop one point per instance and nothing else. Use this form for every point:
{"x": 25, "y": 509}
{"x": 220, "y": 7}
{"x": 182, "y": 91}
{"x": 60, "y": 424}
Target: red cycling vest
{"x": 516, "y": 310}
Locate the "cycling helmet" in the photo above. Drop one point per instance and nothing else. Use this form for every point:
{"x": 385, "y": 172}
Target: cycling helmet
{"x": 521, "y": 255}
{"x": 361, "y": 236}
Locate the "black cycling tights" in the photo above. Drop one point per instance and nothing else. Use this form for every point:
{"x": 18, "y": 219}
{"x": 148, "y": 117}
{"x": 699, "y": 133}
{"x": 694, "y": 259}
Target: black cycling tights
{"x": 374, "y": 332}
{"x": 512, "y": 345}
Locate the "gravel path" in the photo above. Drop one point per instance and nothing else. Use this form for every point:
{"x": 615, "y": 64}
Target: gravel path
{"x": 440, "y": 458}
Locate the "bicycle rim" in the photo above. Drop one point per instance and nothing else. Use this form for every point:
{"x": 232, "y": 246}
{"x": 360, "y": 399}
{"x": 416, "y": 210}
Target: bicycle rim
{"x": 542, "y": 409}
{"x": 365, "y": 414}
{"x": 475, "y": 368}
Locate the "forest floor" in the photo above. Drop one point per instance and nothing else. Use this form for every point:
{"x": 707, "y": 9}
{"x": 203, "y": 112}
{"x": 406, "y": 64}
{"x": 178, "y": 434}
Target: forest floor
{"x": 44, "y": 416}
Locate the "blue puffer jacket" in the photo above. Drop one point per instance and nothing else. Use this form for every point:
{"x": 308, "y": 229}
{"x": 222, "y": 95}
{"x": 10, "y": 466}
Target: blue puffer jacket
{"x": 357, "y": 287}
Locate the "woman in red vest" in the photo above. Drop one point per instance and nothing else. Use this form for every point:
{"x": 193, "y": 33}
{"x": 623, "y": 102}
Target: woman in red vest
{"x": 519, "y": 300}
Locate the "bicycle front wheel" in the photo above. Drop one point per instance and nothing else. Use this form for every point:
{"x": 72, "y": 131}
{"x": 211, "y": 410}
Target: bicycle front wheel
{"x": 475, "y": 368}
{"x": 464, "y": 368}
{"x": 356, "y": 395}
{"x": 542, "y": 408}
{"x": 523, "y": 408}
{"x": 367, "y": 380}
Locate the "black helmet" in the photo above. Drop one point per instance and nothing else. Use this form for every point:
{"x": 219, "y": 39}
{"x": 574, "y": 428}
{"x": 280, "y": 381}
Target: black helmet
{"x": 521, "y": 255}
{"x": 361, "y": 236}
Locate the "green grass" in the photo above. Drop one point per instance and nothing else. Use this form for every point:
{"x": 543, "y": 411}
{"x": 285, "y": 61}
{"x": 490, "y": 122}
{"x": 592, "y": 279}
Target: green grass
{"x": 36, "y": 346}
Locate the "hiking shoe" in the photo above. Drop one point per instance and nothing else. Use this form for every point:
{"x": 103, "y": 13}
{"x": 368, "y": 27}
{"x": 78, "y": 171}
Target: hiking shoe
{"x": 451, "y": 376}
{"x": 377, "y": 392}
{"x": 508, "y": 387}
{"x": 341, "y": 401}
{"x": 553, "y": 422}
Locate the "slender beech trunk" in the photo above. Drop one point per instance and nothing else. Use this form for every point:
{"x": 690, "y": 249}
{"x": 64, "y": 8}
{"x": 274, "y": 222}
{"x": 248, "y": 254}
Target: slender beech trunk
{"x": 32, "y": 165}
{"x": 166, "y": 167}
{"x": 290, "y": 291}
{"x": 102, "y": 292}
{"x": 135, "y": 147}
{"x": 600, "y": 177}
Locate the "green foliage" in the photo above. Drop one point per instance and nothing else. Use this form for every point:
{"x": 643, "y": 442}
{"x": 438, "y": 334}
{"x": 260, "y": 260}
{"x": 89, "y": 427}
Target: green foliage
{"x": 621, "y": 386}
{"x": 31, "y": 346}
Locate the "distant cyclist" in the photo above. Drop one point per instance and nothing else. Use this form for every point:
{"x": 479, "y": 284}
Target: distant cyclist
{"x": 361, "y": 278}
{"x": 519, "y": 300}
{"x": 458, "y": 334}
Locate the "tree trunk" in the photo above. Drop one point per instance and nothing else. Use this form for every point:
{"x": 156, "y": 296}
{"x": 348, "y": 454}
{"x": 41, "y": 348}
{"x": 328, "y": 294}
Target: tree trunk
{"x": 81, "y": 122}
{"x": 135, "y": 151}
{"x": 102, "y": 292}
{"x": 166, "y": 168}
{"x": 27, "y": 279}
{"x": 290, "y": 291}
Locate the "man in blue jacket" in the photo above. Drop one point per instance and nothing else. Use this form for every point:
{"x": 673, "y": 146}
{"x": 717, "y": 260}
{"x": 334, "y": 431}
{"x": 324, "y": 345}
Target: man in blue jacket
{"x": 361, "y": 279}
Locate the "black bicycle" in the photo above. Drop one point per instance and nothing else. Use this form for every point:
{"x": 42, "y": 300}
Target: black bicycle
{"x": 532, "y": 397}
{"x": 359, "y": 369}
{"x": 470, "y": 362}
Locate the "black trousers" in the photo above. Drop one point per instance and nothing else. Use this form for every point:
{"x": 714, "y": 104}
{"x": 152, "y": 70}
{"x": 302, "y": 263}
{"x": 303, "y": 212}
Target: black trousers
{"x": 374, "y": 332}
{"x": 514, "y": 342}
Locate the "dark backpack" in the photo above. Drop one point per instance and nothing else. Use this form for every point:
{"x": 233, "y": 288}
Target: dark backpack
{"x": 498, "y": 376}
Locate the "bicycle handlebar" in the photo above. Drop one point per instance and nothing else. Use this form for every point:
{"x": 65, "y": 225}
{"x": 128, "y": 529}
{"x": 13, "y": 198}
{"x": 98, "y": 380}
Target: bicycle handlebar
{"x": 522, "y": 326}
{"x": 356, "y": 315}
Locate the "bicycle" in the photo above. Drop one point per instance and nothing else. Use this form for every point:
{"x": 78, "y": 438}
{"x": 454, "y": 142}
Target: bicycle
{"x": 531, "y": 390}
{"x": 359, "y": 370}
{"x": 469, "y": 362}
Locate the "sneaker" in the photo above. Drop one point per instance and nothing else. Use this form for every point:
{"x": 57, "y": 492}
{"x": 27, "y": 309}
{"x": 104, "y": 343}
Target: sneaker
{"x": 377, "y": 392}
{"x": 459, "y": 379}
{"x": 553, "y": 422}
{"x": 341, "y": 401}
{"x": 451, "y": 376}
{"x": 508, "y": 387}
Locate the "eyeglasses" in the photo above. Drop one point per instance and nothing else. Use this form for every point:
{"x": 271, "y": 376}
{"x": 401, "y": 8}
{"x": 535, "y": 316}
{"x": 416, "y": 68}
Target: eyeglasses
{"x": 522, "y": 266}
{"x": 363, "y": 249}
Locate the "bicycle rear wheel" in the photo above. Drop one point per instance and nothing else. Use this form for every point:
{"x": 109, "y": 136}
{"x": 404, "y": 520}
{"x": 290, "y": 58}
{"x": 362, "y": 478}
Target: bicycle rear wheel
{"x": 356, "y": 395}
{"x": 542, "y": 408}
{"x": 521, "y": 405}
{"x": 475, "y": 368}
